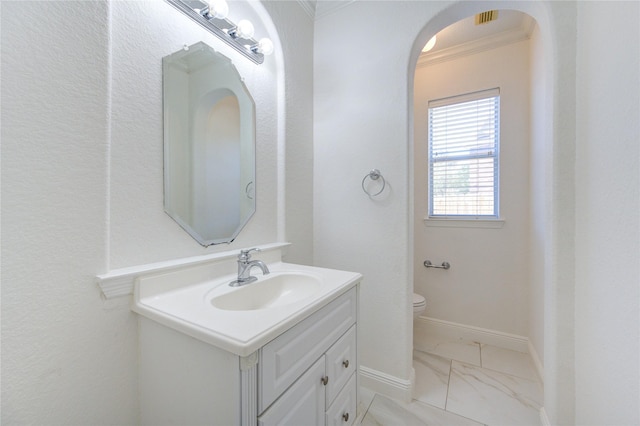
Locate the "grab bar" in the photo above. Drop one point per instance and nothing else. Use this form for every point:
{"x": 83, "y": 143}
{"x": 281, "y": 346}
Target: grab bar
{"x": 445, "y": 265}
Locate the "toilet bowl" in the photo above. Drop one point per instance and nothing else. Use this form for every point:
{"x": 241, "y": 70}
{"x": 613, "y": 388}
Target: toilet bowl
{"x": 419, "y": 305}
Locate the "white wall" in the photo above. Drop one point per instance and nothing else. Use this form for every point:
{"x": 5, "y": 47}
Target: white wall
{"x": 361, "y": 115}
{"x": 361, "y": 85}
{"x": 363, "y": 89}
{"x": 66, "y": 356}
{"x": 607, "y": 298}
{"x": 82, "y": 188}
{"x": 296, "y": 32}
{"x": 539, "y": 188}
{"x": 558, "y": 30}
{"x": 487, "y": 285}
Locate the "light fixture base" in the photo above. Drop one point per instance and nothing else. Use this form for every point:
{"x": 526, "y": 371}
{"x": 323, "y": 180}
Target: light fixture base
{"x": 219, "y": 27}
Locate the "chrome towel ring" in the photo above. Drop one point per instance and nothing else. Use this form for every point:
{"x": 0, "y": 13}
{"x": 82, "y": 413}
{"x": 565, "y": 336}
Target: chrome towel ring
{"x": 374, "y": 175}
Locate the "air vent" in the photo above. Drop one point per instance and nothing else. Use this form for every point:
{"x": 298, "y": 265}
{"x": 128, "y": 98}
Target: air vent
{"x": 485, "y": 17}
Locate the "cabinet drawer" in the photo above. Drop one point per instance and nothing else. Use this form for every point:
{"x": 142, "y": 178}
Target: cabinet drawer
{"x": 341, "y": 363}
{"x": 343, "y": 410}
{"x": 286, "y": 357}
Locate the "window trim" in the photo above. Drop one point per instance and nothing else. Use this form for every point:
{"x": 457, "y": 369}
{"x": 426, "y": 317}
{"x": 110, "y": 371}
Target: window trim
{"x": 465, "y": 222}
{"x": 482, "y": 221}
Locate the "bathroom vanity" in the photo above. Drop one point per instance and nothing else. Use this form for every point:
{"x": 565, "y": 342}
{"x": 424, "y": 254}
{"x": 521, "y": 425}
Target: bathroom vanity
{"x": 279, "y": 351}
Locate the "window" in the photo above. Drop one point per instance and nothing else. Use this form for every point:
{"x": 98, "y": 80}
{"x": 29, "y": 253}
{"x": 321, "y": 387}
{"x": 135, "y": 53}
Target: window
{"x": 464, "y": 135}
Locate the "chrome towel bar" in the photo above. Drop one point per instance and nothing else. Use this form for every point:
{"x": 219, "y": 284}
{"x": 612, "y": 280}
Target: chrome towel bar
{"x": 445, "y": 265}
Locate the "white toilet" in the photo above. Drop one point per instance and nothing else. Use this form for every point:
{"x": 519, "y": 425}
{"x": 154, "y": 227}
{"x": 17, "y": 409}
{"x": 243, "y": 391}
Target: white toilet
{"x": 419, "y": 305}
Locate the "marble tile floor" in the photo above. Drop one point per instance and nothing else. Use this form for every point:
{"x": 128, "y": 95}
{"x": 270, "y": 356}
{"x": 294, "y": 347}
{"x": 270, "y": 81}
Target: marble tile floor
{"x": 461, "y": 383}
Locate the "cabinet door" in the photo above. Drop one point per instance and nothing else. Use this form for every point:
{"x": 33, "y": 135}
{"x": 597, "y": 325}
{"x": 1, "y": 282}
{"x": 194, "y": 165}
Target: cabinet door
{"x": 289, "y": 355}
{"x": 302, "y": 404}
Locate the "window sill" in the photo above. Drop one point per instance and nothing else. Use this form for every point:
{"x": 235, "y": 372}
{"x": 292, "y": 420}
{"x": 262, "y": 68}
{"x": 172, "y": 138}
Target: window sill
{"x": 464, "y": 223}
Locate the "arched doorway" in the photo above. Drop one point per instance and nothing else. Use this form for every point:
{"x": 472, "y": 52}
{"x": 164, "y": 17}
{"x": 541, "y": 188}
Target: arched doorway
{"x": 551, "y": 283}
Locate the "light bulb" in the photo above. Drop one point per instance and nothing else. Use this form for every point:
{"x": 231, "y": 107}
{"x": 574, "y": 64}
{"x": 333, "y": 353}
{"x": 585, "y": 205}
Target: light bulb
{"x": 244, "y": 29}
{"x": 430, "y": 44}
{"x": 218, "y": 9}
{"x": 265, "y": 46}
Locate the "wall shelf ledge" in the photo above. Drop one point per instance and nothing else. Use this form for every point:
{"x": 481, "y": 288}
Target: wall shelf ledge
{"x": 120, "y": 282}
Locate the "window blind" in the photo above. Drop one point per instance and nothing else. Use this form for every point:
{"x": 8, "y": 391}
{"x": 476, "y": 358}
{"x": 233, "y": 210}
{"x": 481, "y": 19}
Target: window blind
{"x": 464, "y": 135}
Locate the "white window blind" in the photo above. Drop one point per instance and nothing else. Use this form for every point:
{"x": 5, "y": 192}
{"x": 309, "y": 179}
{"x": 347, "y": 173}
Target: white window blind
{"x": 464, "y": 136}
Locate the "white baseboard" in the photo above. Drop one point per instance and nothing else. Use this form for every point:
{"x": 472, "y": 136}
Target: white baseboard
{"x": 467, "y": 333}
{"x": 536, "y": 362}
{"x": 385, "y": 384}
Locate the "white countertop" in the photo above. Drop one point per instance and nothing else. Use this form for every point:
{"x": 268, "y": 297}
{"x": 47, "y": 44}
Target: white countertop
{"x": 187, "y": 308}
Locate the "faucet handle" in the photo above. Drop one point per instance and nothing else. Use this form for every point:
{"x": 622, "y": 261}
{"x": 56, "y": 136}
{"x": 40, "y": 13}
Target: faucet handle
{"x": 245, "y": 255}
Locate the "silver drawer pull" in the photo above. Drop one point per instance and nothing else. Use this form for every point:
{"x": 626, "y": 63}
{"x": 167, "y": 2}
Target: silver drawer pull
{"x": 345, "y": 363}
{"x": 345, "y": 416}
{"x": 324, "y": 380}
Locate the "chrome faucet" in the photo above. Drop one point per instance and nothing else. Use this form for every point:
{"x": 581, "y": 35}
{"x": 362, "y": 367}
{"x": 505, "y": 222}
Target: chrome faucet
{"x": 244, "y": 268}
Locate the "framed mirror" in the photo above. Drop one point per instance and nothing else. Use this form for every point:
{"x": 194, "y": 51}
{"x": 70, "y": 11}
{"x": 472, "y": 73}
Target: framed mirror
{"x": 209, "y": 145}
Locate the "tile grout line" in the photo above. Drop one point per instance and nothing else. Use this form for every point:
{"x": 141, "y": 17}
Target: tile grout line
{"x": 446, "y": 399}
{"x": 366, "y": 411}
{"x": 520, "y": 375}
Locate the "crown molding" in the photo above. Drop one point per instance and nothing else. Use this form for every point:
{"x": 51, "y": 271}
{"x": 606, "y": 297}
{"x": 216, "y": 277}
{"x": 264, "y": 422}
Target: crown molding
{"x": 493, "y": 41}
{"x": 329, "y": 7}
{"x": 309, "y": 7}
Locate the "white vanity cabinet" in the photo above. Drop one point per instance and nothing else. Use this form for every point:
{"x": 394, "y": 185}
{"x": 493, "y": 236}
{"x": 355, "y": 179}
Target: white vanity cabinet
{"x": 305, "y": 376}
{"x": 322, "y": 392}
{"x": 319, "y": 350}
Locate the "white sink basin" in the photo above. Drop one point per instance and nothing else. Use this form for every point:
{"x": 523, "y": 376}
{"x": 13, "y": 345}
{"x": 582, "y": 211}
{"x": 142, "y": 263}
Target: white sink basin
{"x": 272, "y": 291}
{"x": 199, "y": 302}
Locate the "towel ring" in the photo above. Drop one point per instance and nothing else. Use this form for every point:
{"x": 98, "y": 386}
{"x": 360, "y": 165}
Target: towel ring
{"x": 374, "y": 175}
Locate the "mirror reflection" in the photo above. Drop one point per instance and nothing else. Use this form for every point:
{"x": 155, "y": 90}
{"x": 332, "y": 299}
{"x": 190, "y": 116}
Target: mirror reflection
{"x": 209, "y": 145}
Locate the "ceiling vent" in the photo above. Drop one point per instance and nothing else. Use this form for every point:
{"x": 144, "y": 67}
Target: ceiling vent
{"x": 486, "y": 17}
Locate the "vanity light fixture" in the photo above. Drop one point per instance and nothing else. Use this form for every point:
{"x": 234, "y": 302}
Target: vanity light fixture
{"x": 212, "y": 15}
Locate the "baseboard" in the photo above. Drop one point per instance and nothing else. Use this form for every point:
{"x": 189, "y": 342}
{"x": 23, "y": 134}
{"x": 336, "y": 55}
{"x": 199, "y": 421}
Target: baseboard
{"x": 386, "y": 384}
{"x": 455, "y": 331}
{"x": 536, "y": 362}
